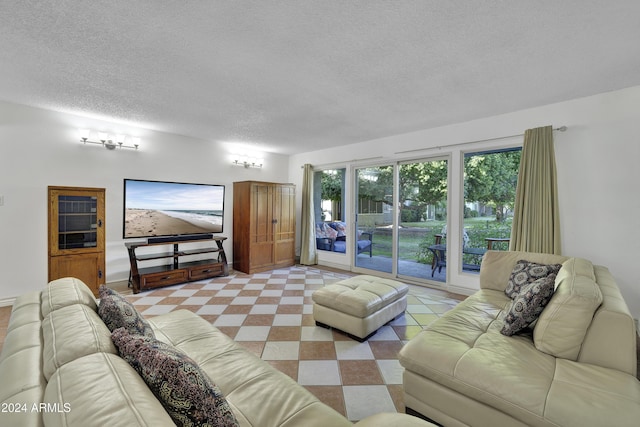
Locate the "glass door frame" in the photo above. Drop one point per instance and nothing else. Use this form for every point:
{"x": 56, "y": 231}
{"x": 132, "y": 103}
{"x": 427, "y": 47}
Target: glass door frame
{"x": 395, "y": 214}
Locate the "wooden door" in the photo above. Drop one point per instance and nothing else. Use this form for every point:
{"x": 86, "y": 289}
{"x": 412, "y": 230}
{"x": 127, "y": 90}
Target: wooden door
{"x": 261, "y": 228}
{"x": 284, "y": 225}
{"x": 77, "y": 234}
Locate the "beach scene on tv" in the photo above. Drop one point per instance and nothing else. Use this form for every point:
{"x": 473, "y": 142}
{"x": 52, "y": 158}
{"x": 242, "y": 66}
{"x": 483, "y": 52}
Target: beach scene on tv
{"x": 153, "y": 208}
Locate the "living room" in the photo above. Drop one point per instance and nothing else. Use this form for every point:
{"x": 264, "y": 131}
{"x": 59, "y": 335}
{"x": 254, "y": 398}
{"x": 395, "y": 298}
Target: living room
{"x": 596, "y": 161}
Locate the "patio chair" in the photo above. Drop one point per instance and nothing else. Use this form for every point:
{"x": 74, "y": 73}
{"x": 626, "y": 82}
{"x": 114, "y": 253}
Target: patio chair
{"x": 439, "y": 259}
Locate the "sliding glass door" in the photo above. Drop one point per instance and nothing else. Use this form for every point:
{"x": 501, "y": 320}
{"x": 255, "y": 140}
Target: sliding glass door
{"x": 409, "y": 241}
{"x": 422, "y": 202}
{"x": 374, "y": 218}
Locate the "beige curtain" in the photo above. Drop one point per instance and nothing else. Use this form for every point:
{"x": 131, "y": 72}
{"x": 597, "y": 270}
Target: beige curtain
{"x": 536, "y": 223}
{"x": 308, "y": 252}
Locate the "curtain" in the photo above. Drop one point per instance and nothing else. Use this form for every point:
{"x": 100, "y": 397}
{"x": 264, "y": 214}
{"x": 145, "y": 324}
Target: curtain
{"x": 536, "y": 223}
{"x": 308, "y": 253}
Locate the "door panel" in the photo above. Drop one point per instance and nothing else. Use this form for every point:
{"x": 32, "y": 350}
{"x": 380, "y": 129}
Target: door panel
{"x": 285, "y": 224}
{"x": 404, "y": 239}
{"x": 86, "y": 267}
{"x": 262, "y": 248}
{"x": 422, "y": 194}
{"x": 374, "y": 214}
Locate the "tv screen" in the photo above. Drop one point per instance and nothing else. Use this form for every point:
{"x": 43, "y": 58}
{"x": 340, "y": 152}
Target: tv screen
{"x": 158, "y": 208}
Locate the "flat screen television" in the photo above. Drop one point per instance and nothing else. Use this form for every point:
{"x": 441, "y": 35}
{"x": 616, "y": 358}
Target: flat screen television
{"x": 161, "y": 208}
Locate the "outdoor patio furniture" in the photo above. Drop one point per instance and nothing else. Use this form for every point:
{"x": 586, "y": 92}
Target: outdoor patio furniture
{"x": 332, "y": 237}
{"x": 440, "y": 257}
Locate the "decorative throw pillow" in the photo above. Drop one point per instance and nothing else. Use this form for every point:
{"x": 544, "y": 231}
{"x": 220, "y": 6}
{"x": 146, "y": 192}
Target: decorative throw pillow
{"x": 116, "y": 312}
{"x": 327, "y": 231}
{"x": 528, "y": 304}
{"x": 340, "y": 227}
{"x": 525, "y": 272}
{"x": 185, "y": 391}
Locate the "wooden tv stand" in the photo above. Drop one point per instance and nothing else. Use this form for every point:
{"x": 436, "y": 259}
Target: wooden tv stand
{"x": 181, "y": 269}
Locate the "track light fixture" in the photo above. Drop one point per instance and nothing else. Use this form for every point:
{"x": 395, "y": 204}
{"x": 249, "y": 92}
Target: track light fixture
{"x": 246, "y": 161}
{"x": 104, "y": 139}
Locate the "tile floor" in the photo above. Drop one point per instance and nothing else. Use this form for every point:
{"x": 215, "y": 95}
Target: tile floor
{"x": 355, "y": 379}
{"x": 271, "y": 315}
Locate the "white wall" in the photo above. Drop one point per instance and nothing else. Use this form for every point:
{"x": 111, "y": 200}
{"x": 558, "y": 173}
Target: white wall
{"x": 598, "y": 176}
{"x": 39, "y": 148}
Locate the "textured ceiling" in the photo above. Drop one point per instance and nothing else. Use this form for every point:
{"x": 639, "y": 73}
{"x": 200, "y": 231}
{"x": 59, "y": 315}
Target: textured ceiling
{"x": 295, "y": 76}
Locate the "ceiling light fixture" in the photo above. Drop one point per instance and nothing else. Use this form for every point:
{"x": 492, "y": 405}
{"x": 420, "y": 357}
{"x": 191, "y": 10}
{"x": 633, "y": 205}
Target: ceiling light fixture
{"x": 247, "y": 161}
{"x": 107, "y": 142}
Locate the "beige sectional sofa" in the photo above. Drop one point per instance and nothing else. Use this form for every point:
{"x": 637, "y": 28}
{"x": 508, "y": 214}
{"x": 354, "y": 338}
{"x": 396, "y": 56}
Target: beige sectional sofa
{"x": 575, "y": 366}
{"x": 59, "y": 367}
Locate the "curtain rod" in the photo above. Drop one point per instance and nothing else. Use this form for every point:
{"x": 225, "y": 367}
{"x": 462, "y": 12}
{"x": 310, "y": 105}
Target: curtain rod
{"x": 439, "y": 147}
{"x": 341, "y": 164}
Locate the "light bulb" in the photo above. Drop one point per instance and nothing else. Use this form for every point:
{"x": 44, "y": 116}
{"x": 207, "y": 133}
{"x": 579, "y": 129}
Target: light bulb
{"x": 84, "y": 134}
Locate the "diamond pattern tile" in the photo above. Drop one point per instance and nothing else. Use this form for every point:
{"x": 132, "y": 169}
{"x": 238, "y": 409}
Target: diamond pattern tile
{"x": 270, "y": 314}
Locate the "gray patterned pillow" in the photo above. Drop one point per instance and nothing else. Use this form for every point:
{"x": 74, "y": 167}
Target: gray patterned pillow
{"x": 528, "y": 304}
{"x": 116, "y": 312}
{"x": 185, "y": 391}
{"x": 525, "y": 272}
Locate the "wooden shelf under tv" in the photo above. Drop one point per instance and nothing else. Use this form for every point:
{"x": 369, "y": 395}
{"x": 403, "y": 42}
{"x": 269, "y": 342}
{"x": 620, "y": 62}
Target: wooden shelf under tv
{"x": 181, "y": 268}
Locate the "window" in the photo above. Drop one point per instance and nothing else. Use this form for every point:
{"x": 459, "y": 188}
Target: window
{"x": 490, "y": 179}
{"x": 329, "y": 205}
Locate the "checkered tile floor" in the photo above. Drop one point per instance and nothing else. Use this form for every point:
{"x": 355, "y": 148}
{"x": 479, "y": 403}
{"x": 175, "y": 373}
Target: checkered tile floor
{"x": 271, "y": 315}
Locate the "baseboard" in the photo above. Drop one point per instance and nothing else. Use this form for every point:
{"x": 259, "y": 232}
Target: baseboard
{"x": 334, "y": 265}
{"x": 460, "y": 290}
{"x": 6, "y": 302}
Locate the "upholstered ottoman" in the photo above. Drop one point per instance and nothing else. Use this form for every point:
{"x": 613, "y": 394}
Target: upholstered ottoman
{"x": 359, "y": 305}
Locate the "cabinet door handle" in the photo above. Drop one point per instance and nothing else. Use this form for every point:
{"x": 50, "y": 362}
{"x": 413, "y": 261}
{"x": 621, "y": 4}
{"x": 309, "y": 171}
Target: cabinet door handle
{"x": 99, "y": 223}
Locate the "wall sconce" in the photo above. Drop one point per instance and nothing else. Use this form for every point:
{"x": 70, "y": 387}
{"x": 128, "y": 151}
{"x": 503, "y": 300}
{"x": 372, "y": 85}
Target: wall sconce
{"x": 246, "y": 161}
{"x": 107, "y": 142}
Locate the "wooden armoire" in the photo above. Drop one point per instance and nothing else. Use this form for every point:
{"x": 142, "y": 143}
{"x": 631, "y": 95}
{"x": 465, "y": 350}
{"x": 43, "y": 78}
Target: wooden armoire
{"x": 264, "y": 226}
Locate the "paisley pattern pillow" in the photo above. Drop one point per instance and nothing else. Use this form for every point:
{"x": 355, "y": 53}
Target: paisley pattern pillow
{"x": 116, "y": 312}
{"x": 525, "y": 272}
{"x": 185, "y": 391}
{"x": 528, "y": 304}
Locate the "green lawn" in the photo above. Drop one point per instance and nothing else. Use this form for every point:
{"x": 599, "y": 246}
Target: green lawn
{"x": 415, "y": 237}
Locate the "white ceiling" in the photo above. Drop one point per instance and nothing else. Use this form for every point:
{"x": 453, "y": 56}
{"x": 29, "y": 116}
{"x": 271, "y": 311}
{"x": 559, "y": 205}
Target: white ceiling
{"x": 295, "y": 76}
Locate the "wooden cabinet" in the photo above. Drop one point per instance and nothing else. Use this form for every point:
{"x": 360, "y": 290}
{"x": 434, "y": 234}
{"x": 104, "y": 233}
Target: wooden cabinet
{"x": 264, "y": 226}
{"x": 182, "y": 266}
{"x": 76, "y": 234}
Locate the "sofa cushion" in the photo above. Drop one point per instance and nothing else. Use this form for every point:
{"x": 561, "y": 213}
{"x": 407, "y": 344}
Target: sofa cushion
{"x": 182, "y": 387}
{"x": 243, "y": 377}
{"x": 464, "y": 351}
{"x": 101, "y": 389}
{"x": 528, "y": 304}
{"x": 72, "y": 332}
{"x": 117, "y": 312}
{"x": 525, "y": 272}
{"x": 562, "y": 326}
{"x": 66, "y": 291}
